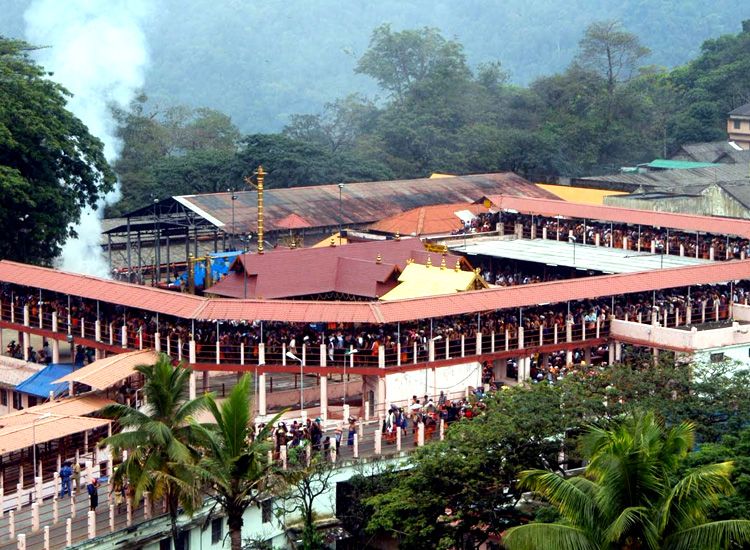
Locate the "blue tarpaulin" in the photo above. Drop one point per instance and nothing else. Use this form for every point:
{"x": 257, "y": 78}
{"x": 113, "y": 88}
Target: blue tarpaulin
{"x": 40, "y": 383}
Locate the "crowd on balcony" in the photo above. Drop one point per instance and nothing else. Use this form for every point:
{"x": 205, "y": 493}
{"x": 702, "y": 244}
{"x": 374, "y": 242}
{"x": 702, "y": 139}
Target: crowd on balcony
{"x": 665, "y": 241}
{"x": 284, "y": 341}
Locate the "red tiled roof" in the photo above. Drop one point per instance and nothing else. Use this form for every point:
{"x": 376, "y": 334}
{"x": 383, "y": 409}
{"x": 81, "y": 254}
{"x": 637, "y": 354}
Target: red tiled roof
{"x": 188, "y": 307}
{"x": 685, "y": 222}
{"x": 293, "y": 221}
{"x": 86, "y": 286}
{"x": 427, "y": 220}
{"x": 350, "y": 269}
{"x": 293, "y": 311}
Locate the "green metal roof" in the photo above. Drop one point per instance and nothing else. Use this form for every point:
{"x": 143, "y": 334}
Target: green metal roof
{"x": 665, "y": 164}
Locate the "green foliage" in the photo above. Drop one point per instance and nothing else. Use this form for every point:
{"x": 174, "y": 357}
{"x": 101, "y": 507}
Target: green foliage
{"x": 234, "y": 465}
{"x": 630, "y": 495}
{"x": 474, "y": 472}
{"x": 50, "y": 166}
{"x": 159, "y": 439}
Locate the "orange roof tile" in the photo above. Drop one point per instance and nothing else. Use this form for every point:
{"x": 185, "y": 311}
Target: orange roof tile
{"x": 427, "y": 220}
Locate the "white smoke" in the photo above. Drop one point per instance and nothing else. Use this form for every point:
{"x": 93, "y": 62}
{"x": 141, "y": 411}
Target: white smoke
{"x": 97, "y": 50}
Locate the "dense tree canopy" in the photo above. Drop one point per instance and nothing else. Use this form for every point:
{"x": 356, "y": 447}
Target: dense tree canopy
{"x": 50, "y": 166}
{"x": 605, "y": 111}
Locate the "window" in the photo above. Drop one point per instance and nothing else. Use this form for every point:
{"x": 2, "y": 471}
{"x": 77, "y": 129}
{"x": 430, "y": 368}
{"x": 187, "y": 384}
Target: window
{"x": 32, "y": 401}
{"x": 267, "y": 510}
{"x": 165, "y": 544}
{"x": 216, "y": 526}
{"x": 737, "y": 124}
{"x": 17, "y": 403}
{"x": 4, "y": 398}
{"x": 717, "y": 357}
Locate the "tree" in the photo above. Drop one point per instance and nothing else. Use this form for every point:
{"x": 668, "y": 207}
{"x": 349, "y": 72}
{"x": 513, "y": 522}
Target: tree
{"x": 160, "y": 440}
{"x": 630, "y": 496}
{"x": 610, "y": 51}
{"x": 234, "y": 465}
{"x": 399, "y": 60}
{"x": 51, "y": 167}
{"x": 308, "y": 479}
{"x": 459, "y": 490}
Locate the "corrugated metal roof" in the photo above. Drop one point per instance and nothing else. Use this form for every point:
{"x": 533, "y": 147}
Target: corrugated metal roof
{"x": 96, "y": 288}
{"x": 670, "y": 179}
{"x": 80, "y": 405}
{"x": 105, "y": 373}
{"x": 563, "y": 291}
{"x": 403, "y": 310}
{"x": 15, "y": 438}
{"x": 579, "y": 194}
{"x": 685, "y": 222}
{"x": 672, "y": 164}
{"x": 360, "y": 203}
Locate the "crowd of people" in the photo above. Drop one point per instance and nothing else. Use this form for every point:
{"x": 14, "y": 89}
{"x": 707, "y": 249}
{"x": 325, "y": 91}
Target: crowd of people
{"x": 284, "y": 341}
{"x": 665, "y": 240}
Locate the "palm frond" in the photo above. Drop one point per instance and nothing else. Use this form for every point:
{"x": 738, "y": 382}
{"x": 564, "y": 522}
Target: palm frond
{"x": 574, "y": 504}
{"x": 711, "y": 536}
{"x": 542, "y": 536}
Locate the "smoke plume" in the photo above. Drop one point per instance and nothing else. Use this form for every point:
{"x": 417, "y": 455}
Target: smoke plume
{"x": 97, "y": 50}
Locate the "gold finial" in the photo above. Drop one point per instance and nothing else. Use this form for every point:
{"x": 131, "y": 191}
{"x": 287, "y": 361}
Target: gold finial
{"x": 379, "y": 259}
{"x": 398, "y": 236}
{"x": 458, "y": 266}
{"x": 429, "y": 261}
{"x": 442, "y": 262}
{"x": 410, "y": 261}
{"x": 476, "y": 271}
{"x": 333, "y": 241}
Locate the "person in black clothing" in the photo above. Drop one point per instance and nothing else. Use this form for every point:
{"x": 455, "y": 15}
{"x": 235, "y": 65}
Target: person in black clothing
{"x": 93, "y": 490}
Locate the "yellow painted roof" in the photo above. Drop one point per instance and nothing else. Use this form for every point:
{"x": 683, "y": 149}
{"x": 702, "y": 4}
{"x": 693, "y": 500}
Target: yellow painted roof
{"x": 438, "y": 175}
{"x": 327, "y": 241}
{"x": 579, "y": 194}
{"x": 418, "y": 280}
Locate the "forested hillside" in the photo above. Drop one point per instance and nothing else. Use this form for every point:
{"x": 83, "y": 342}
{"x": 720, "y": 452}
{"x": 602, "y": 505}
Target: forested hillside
{"x": 261, "y": 62}
{"x": 607, "y": 109}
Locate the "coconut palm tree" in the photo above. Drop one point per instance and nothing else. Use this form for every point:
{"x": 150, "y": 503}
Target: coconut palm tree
{"x": 631, "y": 496}
{"x": 159, "y": 440}
{"x": 235, "y": 466}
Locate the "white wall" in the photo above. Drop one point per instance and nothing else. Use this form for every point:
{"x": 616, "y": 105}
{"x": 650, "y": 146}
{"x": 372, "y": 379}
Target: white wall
{"x": 400, "y": 387}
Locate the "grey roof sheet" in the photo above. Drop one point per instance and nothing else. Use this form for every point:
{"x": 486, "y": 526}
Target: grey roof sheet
{"x": 677, "y": 179}
{"x": 743, "y": 110}
{"x": 360, "y": 203}
{"x": 713, "y": 151}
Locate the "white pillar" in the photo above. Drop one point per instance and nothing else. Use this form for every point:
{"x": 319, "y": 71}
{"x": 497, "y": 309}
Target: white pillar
{"x": 442, "y": 429}
{"x": 324, "y": 397}
{"x": 191, "y": 352}
{"x": 282, "y": 454}
{"x": 92, "y": 524}
{"x": 21, "y": 542}
{"x": 192, "y": 385}
{"x": 355, "y": 447}
{"x": 147, "y": 505}
{"x": 262, "y": 394}
{"x": 398, "y": 439}
{"x": 34, "y": 517}
{"x": 157, "y": 342}
{"x": 69, "y": 532}
{"x": 124, "y": 336}
{"x": 45, "y": 538}
{"x": 112, "y": 518}
{"x": 420, "y": 434}
{"x": 378, "y": 443}
{"x": 55, "y": 510}
{"x": 12, "y": 524}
